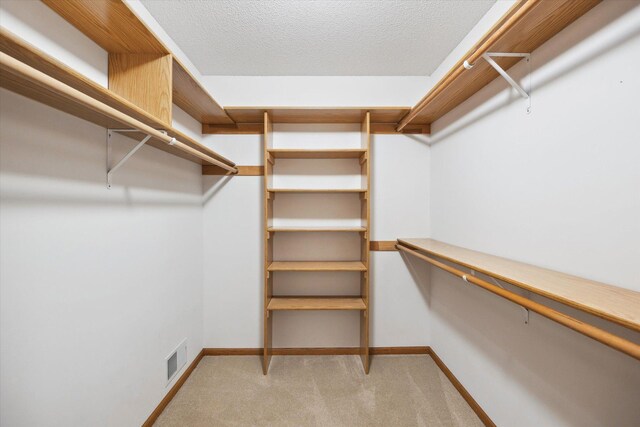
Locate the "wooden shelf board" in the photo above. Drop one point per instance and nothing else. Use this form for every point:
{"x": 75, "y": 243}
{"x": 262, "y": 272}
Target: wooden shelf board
{"x": 316, "y": 266}
{"x": 316, "y": 229}
{"x": 290, "y": 153}
{"x": 316, "y": 114}
{"x": 195, "y": 100}
{"x": 29, "y": 55}
{"x": 115, "y": 27}
{"x": 316, "y": 303}
{"x": 612, "y": 303}
{"x": 544, "y": 21}
{"x": 316, "y": 190}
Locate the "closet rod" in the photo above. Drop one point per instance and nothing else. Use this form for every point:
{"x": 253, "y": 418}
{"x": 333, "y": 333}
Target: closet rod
{"x": 480, "y": 48}
{"x": 15, "y": 67}
{"x": 607, "y": 338}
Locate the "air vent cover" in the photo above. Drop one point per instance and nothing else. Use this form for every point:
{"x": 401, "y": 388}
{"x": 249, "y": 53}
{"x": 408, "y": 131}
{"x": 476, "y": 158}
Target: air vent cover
{"x": 176, "y": 360}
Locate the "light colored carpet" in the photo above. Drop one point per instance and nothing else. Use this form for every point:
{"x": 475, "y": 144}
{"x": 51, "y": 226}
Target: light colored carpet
{"x": 318, "y": 391}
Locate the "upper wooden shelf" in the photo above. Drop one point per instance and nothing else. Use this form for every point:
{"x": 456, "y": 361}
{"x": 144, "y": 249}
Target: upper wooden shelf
{"x": 112, "y": 25}
{"x": 317, "y": 266}
{"x": 316, "y": 303}
{"x": 289, "y": 153}
{"x": 525, "y": 27}
{"x": 32, "y": 57}
{"x": 316, "y": 114}
{"x": 612, "y": 303}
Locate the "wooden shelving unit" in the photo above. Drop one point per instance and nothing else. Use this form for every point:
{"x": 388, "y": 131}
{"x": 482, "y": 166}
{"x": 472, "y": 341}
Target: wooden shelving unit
{"x": 316, "y": 303}
{"x": 317, "y": 190}
{"x": 316, "y": 266}
{"x": 309, "y": 229}
{"x": 288, "y": 153}
{"x": 248, "y": 120}
{"x": 524, "y": 28}
{"x": 273, "y": 268}
{"x": 618, "y": 305}
{"x": 31, "y": 57}
{"x": 115, "y": 27}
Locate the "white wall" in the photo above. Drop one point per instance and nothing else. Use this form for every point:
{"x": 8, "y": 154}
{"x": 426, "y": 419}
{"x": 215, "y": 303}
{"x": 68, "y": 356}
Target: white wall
{"x": 97, "y": 286}
{"x": 234, "y": 248}
{"x": 559, "y": 188}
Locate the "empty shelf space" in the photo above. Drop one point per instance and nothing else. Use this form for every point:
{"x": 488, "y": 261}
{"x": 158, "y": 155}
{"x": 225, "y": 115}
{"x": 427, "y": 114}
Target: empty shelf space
{"x": 327, "y": 228}
{"x": 316, "y": 303}
{"x": 316, "y": 190}
{"x": 287, "y": 153}
{"x": 317, "y": 266}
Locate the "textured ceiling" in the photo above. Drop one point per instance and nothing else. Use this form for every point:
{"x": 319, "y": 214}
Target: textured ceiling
{"x": 317, "y": 37}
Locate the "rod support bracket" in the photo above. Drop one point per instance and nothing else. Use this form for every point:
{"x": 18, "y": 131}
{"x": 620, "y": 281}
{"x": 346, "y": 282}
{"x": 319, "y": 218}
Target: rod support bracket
{"x": 111, "y": 169}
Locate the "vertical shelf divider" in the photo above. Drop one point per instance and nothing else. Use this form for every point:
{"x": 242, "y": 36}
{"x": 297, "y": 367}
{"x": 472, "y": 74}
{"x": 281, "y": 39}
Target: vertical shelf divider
{"x": 366, "y": 223}
{"x": 268, "y": 246}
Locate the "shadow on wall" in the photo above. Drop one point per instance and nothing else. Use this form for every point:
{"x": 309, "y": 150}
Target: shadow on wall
{"x": 420, "y": 272}
{"x": 573, "y": 378}
{"x": 597, "y": 19}
{"x": 59, "y": 158}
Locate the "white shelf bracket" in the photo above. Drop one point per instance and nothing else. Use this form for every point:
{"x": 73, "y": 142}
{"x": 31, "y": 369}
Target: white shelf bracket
{"x": 111, "y": 169}
{"x": 498, "y": 284}
{"x": 488, "y": 56}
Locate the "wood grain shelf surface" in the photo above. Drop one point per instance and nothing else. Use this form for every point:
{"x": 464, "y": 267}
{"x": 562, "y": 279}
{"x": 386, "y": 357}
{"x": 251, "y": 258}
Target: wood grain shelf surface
{"x": 327, "y": 228}
{"x": 115, "y": 27}
{"x": 290, "y": 153}
{"x": 543, "y": 20}
{"x": 17, "y": 48}
{"x": 316, "y": 266}
{"x": 316, "y": 303}
{"x": 609, "y": 302}
{"x": 316, "y": 114}
{"x": 316, "y": 190}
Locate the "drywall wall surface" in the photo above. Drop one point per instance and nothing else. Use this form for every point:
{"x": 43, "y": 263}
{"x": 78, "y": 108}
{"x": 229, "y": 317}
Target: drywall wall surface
{"x": 233, "y": 230}
{"x": 322, "y": 91}
{"x": 40, "y": 26}
{"x": 97, "y": 285}
{"x": 558, "y": 188}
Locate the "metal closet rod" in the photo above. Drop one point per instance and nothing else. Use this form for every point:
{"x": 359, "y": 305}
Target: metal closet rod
{"x": 606, "y": 338}
{"x": 483, "y": 46}
{"x": 16, "y": 67}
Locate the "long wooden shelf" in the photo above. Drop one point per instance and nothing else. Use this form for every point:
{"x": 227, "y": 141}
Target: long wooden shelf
{"x": 115, "y": 27}
{"x": 310, "y": 229}
{"x": 290, "y": 153}
{"x": 31, "y": 56}
{"x": 316, "y": 266}
{"x": 612, "y": 303}
{"x": 316, "y": 303}
{"x": 316, "y": 114}
{"x": 525, "y": 27}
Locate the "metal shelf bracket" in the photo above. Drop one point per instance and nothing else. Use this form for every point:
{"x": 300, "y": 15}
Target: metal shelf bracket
{"x": 498, "y": 284}
{"x": 488, "y": 56}
{"x": 111, "y": 169}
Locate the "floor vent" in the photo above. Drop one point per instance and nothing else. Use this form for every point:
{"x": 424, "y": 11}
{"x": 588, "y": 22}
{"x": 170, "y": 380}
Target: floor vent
{"x": 176, "y": 360}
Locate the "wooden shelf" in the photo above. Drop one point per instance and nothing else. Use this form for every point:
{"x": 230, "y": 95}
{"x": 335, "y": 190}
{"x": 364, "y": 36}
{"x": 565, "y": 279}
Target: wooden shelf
{"x": 328, "y": 228}
{"x": 316, "y": 190}
{"x": 612, "y": 303}
{"x": 288, "y": 153}
{"x": 316, "y": 303}
{"x": 316, "y": 266}
{"x": 525, "y": 27}
{"x": 316, "y": 114}
{"x": 113, "y": 25}
{"x": 29, "y": 55}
